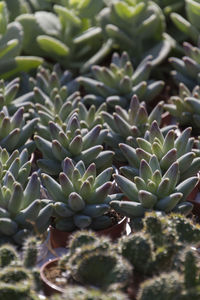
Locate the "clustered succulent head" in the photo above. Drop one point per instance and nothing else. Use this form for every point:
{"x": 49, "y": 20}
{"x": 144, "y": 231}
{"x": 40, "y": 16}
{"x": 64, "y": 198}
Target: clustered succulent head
{"x": 166, "y": 150}
{"x": 81, "y": 198}
{"x": 127, "y": 126}
{"x": 118, "y": 83}
{"x": 187, "y": 69}
{"x": 185, "y": 107}
{"x": 153, "y": 191}
{"x": 70, "y": 140}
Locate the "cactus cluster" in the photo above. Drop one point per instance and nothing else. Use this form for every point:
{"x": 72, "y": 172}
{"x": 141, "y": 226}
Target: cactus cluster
{"x": 18, "y": 274}
{"x": 80, "y": 199}
{"x": 117, "y": 83}
{"x": 96, "y": 253}
{"x": 175, "y": 285}
{"x": 81, "y": 293}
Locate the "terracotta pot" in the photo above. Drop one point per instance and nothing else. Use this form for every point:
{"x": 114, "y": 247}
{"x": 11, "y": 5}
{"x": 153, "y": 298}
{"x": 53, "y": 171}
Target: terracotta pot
{"x": 60, "y": 238}
{"x": 48, "y": 287}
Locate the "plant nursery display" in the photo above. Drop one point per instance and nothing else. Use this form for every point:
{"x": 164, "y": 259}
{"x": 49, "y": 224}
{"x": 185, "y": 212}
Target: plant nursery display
{"x": 99, "y": 149}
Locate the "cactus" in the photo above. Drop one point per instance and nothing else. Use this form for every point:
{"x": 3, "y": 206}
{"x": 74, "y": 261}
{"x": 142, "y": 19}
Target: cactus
{"x": 166, "y": 150}
{"x": 80, "y": 238}
{"x": 152, "y": 191}
{"x": 8, "y": 254}
{"x": 98, "y": 254}
{"x": 138, "y": 250}
{"x": 126, "y": 126}
{"x": 187, "y": 231}
{"x": 185, "y": 107}
{"x": 119, "y": 82}
{"x": 81, "y": 293}
{"x": 187, "y": 69}
{"x": 112, "y": 270}
{"x": 126, "y": 22}
{"x": 72, "y": 141}
{"x": 30, "y": 252}
{"x": 80, "y": 198}
{"x": 183, "y": 284}
{"x": 189, "y": 26}
{"x": 11, "y": 39}
{"x": 166, "y": 286}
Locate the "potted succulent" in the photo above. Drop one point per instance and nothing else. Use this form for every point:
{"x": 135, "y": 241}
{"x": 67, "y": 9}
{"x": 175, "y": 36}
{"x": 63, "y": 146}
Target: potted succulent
{"x": 81, "y": 200}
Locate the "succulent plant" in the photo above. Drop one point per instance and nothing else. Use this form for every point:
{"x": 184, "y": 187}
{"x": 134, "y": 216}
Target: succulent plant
{"x": 119, "y": 82}
{"x": 81, "y": 197}
{"x": 169, "y": 6}
{"x": 16, "y": 166}
{"x": 185, "y": 107}
{"x": 165, "y": 149}
{"x": 15, "y": 131}
{"x": 189, "y": 25}
{"x": 21, "y": 211}
{"x": 9, "y": 96}
{"x": 16, "y": 8}
{"x": 187, "y": 69}
{"x": 69, "y": 34}
{"x": 72, "y": 141}
{"x": 11, "y": 39}
{"x": 50, "y": 83}
{"x": 153, "y": 191}
{"x": 126, "y": 126}
{"x": 137, "y": 27}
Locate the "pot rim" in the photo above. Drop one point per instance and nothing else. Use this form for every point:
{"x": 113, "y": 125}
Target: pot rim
{"x": 45, "y": 280}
